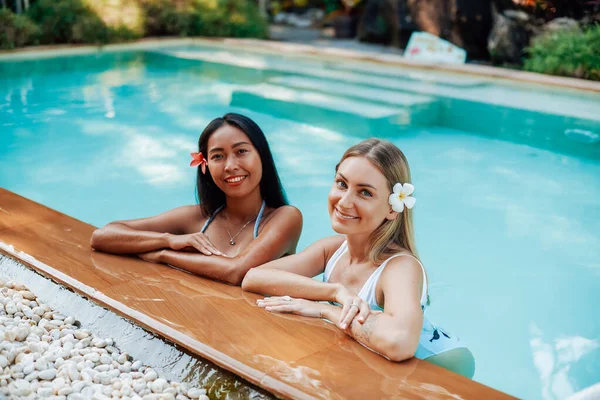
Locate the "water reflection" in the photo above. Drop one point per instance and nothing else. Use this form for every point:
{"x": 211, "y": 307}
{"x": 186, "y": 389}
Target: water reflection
{"x": 562, "y": 363}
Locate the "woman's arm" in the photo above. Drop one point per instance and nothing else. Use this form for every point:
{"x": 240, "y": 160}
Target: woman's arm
{"x": 147, "y": 234}
{"x": 395, "y": 332}
{"x": 279, "y": 235}
{"x": 292, "y": 275}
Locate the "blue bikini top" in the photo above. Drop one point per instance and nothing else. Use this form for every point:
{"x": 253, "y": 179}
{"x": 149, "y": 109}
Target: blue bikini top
{"x": 256, "y": 224}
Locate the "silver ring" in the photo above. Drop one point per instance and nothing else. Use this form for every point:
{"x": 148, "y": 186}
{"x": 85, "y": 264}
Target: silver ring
{"x": 354, "y": 305}
{"x": 287, "y": 298}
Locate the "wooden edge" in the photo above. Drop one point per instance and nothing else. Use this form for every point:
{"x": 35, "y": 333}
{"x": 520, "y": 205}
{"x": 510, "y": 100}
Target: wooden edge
{"x": 222, "y": 360}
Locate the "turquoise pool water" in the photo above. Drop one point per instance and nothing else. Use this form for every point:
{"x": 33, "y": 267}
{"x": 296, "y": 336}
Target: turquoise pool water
{"x": 507, "y": 177}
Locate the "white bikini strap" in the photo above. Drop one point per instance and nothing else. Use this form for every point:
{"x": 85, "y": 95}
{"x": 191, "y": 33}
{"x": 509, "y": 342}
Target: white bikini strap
{"x": 333, "y": 261}
{"x": 375, "y": 277}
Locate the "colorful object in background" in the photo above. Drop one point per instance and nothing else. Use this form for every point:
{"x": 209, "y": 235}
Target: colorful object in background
{"x": 424, "y": 46}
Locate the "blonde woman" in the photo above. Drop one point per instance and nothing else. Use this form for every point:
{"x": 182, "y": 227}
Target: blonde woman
{"x": 374, "y": 287}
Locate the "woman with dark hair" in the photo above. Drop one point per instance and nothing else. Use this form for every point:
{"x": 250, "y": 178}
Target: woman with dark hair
{"x": 238, "y": 187}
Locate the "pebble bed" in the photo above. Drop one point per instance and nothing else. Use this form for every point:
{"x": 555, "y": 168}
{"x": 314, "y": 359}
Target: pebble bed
{"x": 44, "y": 354}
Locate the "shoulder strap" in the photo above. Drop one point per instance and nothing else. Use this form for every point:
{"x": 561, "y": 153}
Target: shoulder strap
{"x": 258, "y": 218}
{"x": 375, "y": 277}
{"x": 211, "y": 218}
{"x": 333, "y": 261}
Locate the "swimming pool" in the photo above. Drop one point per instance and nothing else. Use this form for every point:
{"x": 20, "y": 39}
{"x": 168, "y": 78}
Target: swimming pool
{"x": 507, "y": 176}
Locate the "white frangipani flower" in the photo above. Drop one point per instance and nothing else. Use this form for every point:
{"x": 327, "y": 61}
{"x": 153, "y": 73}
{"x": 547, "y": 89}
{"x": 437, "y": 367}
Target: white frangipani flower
{"x": 401, "y": 197}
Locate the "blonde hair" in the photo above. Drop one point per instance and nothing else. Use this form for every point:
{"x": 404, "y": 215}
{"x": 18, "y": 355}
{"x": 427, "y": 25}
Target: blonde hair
{"x": 392, "y": 236}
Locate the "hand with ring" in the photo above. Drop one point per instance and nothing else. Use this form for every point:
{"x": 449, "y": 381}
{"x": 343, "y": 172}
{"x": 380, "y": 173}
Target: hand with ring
{"x": 353, "y": 307}
{"x": 287, "y": 304}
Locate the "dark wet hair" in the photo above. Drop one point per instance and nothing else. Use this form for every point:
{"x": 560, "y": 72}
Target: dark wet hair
{"x": 209, "y": 195}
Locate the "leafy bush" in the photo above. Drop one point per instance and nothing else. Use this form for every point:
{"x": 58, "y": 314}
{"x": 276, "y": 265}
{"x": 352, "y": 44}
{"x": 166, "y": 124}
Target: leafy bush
{"x": 68, "y": 21}
{"x": 165, "y": 18}
{"x": 16, "y": 30}
{"x": 73, "y": 21}
{"x": 237, "y": 18}
{"x": 567, "y": 53}
{"x": 102, "y": 21}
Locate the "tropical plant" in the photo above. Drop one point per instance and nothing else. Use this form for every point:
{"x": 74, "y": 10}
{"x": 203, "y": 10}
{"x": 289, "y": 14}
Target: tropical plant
{"x": 16, "y": 30}
{"x": 571, "y": 53}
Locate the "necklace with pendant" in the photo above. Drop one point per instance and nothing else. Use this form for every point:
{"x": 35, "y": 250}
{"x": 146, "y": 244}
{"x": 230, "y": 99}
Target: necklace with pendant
{"x": 232, "y": 238}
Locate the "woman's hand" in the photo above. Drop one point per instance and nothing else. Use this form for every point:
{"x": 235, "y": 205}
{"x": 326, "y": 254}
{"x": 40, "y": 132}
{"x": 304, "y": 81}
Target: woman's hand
{"x": 198, "y": 241}
{"x": 286, "y": 304}
{"x": 352, "y": 307}
{"x": 151, "y": 256}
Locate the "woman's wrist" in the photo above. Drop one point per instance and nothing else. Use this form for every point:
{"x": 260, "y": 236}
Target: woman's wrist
{"x": 330, "y": 313}
{"x": 167, "y": 237}
{"x": 162, "y": 256}
{"x": 338, "y": 288}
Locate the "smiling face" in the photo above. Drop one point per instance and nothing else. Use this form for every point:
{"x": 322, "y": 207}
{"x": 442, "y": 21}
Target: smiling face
{"x": 358, "y": 199}
{"x": 233, "y": 162}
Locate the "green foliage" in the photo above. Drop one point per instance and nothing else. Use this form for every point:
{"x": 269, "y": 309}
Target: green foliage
{"x": 99, "y": 21}
{"x": 231, "y": 18}
{"x": 567, "y": 53}
{"x": 68, "y": 21}
{"x": 16, "y": 30}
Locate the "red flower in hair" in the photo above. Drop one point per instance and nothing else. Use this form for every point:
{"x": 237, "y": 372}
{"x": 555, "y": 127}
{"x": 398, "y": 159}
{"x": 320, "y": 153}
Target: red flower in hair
{"x": 198, "y": 159}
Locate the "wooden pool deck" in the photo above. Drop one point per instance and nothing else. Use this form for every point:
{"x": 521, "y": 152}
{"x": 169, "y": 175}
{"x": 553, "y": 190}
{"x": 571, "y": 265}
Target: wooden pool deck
{"x": 289, "y": 356}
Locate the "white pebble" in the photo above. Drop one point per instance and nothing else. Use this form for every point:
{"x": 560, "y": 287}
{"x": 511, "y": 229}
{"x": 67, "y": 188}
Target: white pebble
{"x": 159, "y": 385}
{"x": 22, "y": 333}
{"x": 150, "y": 376}
{"x": 80, "y": 334}
{"x": 194, "y": 393}
{"x": 65, "y": 391}
{"x": 44, "y": 355}
{"x": 93, "y": 357}
{"x": 97, "y": 342}
{"x": 123, "y": 358}
{"x": 47, "y": 374}
{"x": 44, "y": 392}
{"x": 32, "y": 376}
{"x": 105, "y": 359}
{"x": 10, "y": 308}
{"x": 136, "y": 365}
{"x": 26, "y": 294}
{"x": 22, "y": 387}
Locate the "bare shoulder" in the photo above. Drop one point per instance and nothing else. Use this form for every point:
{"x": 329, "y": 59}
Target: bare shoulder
{"x": 285, "y": 217}
{"x": 330, "y": 245}
{"x": 404, "y": 267}
{"x": 192, "y": 212}
{"x": 286, "y": 212}
{"x": 180, "y": 220}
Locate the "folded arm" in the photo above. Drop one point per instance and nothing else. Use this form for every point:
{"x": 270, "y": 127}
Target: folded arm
{"x": 292, "y": 276}
{"x": 395, "y": 332}
{"x": 145, "y": 234}
{"x": 278, "y": 237}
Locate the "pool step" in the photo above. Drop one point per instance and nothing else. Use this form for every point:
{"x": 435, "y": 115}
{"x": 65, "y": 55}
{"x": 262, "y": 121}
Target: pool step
{"x": 357, "y": 117}
{"x": 423, "y": 110}
{"x": 405, "y": 74}
{"x": 346, "y": 71}
{"x": 315, "y": 70}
